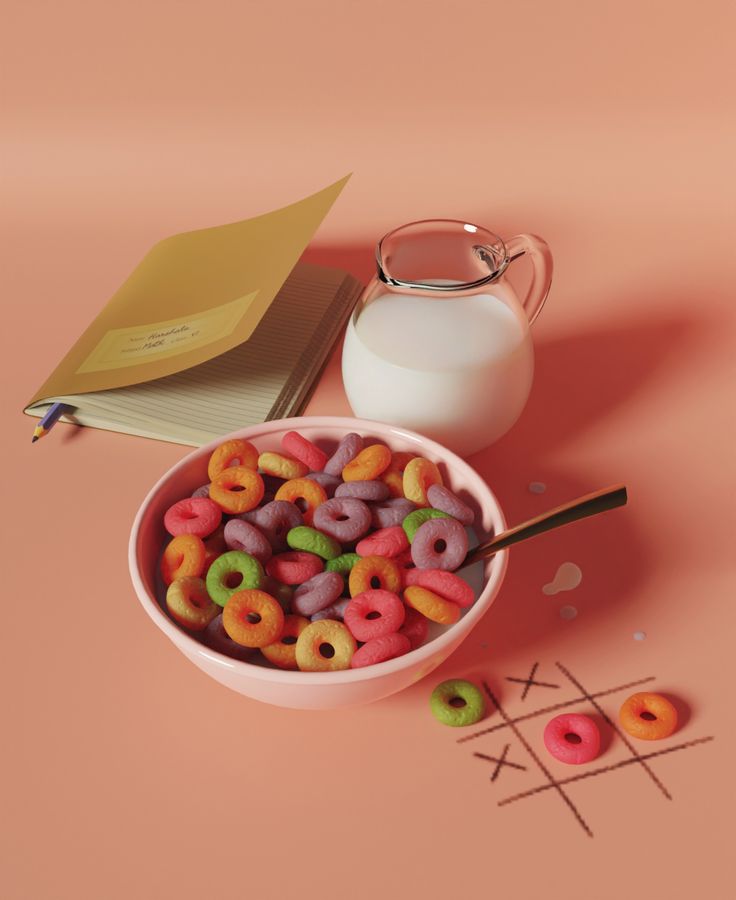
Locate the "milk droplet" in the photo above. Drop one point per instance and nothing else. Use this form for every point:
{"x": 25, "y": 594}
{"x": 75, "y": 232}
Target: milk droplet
{"x": 537, "y": 487}
{"x": 640, "y": 635}
{"x": 568, "y": 612}
{"x": 568, "y": 577}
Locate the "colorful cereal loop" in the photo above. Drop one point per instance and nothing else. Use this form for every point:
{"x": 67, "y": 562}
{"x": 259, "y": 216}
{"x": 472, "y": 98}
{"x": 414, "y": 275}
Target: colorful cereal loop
{"x": 303, "y": 490}
{"x": 304, "y": 450}
{"x": 648, "y": 716}
{"x": 446, "y": 695}
{"x": 394, "y": 475}
{"x": 237, "y": 489}
{"x": 226, "y": 568}
{"x": 387, "y": 608}
{"x": 305, "y": 538}
{"x": 235, "y": 452}
{"x": 419, "y": 474}
{"x": 418, "y": 517}
{"x": 373, "y": 572}
{"x": 380, "y": 650}
{"x": 184, "y": 555}
{"x": 431, "y": 605}
{"x": 282, "y": 652}
{"x": 253, "y": 618}
{"x": 193, "y": 515}
{"x": 369, "y": 464}
{"x": 572, "y": 738}
{"x": 189, "y": 603}
{"x": 281, "y": 466}
{"x": 325, "y": 646}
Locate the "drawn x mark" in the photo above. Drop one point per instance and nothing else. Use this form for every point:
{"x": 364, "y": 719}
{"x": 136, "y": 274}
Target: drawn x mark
{"x": 528, "y": 682}
{"x": 500, "y": 761}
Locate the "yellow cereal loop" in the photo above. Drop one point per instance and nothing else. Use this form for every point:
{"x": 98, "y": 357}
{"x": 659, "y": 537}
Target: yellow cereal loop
{"x": 368, "y": 464}
{"x": 431, "y": 605}
{"x": 394, "y": 475}
{"x": 419, "y": 474}
{"x": 281, "y": 466}
{"x": 325, "y": 646}
{"x": 282, "y": 653}
{"x": 374, "y": 573}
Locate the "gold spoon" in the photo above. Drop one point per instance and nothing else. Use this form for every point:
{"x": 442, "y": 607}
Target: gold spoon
{"x": 588, "y": 505}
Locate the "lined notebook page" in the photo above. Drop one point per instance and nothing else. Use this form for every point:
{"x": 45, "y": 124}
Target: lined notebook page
{"x": 269, "y": 376}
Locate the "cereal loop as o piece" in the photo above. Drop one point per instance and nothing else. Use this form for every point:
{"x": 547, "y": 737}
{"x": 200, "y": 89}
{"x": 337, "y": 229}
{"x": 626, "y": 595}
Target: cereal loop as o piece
{"x": 384, "y": 542}
{"x": 388, "y": 607}
{"x": 329, "y": 482}
{"x": 237, "y": 489}
{"x": 305, "y": 538}
{"x": 343, "y": 518}
{"x": 394, "y": 475}
{"x": 362, "y": 490}
{"x": 194, "y": 515}
{"x": 381, "y": 649}
{"x": 281, "y": 466}
{"x": 439, "y": 544}
{"x": 558, "y": 743}
{"x": 306, "y": 491}
{"x": 282, "y": 653}
{"x": 319, "y": 592}
{"x": 374, "y": 572}
{"x": 183, "y": 555}
{"x": 443, "y": 499}
{"x": 189, "y": 603}
{"x": 419, "y": 474}
{"x": 648, "y": 716}
{"x": 275, "y": 520}
{"x": 334, "y": 611}
{"x": 253, "y": 618}
{"x": 431, "y": 605}
{"x": 386, "y": 513}
{"x": 371, "y": 462}
{"x": 228, "y": 567}
{"x": 325, "y": 646}
{"x": 342, "y": 564}
{"x": 201, "y": 491}
{"x": 443, "y": 709}
{"x": 304, "y": 450}
{"x": 294, "y": 567}
{"x": 235, "y": 452}
{"x": 348, "y": 448}
{"x": 446, "y": 584}
{"x": 241, "y": 535}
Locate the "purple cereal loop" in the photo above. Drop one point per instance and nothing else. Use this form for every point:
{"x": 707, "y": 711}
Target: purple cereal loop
{"x": 317, "y": 593}
{"x": 335, "y": 611}
{"x": 348, "y": 448}
{"x": 423, "y": 550}
{"x": 393, "y": 511}
{"x": 328, "y": 482}
{"x": 445, "y": 501}
{"x": 215, "y": 637}
{"x": 343, "y": 518}
{"x": 240, "y": 535}
{"x": 203, "y": 491}
{"x": 363, "y": 490}
{"x": 275, "y": 520}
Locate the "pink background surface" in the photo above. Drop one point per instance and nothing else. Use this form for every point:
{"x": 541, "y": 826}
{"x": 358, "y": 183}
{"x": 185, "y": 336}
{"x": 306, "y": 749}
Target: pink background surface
{"x": 608, "y": 129}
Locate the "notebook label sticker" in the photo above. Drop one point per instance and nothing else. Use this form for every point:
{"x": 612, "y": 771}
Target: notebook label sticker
{"x": 138, "y": 344}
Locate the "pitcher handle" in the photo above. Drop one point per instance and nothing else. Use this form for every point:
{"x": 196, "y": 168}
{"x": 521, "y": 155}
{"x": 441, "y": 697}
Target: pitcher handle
{"x": 541, "y": 259}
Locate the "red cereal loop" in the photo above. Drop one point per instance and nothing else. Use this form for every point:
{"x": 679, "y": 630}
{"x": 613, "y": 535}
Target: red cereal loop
{"x": 380, "y": 649}
{"x": 294, "y": 567}
{"x": 446, "y": 584}
{"x": 390, "y": 541}
{"x": 390, "y": 609}
{"x": 193, "y": 515}
{"x": 304, "y": 450}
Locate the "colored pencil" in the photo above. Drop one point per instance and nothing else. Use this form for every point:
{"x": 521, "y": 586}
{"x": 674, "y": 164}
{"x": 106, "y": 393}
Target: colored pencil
{"x": 54, "y": 413}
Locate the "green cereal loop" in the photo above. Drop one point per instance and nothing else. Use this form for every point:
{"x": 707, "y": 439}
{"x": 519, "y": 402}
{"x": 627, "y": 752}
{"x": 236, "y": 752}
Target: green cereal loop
{"x": 457, "y": 716}
{"x": 342, "y": 564}
{"x": 312, "y": 541}
{"x": 226, "y": 564}
{"x": 412, "y": 522}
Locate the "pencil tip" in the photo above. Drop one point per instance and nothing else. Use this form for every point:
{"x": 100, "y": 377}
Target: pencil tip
{"x": 34, "y": 438}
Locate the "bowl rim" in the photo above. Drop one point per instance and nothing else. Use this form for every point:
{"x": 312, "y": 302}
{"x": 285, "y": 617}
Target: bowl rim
{"x": 192, "y": 647}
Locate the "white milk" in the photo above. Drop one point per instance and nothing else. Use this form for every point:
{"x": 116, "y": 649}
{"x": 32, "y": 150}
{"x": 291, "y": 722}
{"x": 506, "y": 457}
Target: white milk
{"x": 456, "y": 369}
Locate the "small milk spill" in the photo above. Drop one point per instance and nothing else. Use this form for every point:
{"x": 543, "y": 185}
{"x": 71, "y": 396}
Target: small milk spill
{"x": 437, "y": 365}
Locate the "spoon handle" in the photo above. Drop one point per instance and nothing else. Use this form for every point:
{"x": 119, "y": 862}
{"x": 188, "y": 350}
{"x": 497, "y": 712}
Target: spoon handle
{"x": 589, "y": 505}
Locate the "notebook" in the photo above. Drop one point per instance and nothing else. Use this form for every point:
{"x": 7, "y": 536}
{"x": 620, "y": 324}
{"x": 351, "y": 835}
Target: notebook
{"x": 215, "y": 330}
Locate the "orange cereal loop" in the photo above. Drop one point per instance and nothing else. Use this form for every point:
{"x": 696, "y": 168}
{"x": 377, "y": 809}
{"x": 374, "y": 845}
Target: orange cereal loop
{"x": 237, "y": 489}
{"x": 419, "y": 474}
{"x": 374, "y": 573}
{"x": 282, "y": 653}
{"x": 431, "y": 605}
{"x": 304, "y": 492}
{"x": 325, "y": 646}
{"x": 281, "y": 466}
{"x": 394, "y": 475}
{"x": 648, "y": 716}
{"x": 253, "y": 618}
{"x": 234, "y": 452}
{"x": 183, "y": 555}
{"x": 368, "y": 464}
{"x": 189, "y": 604}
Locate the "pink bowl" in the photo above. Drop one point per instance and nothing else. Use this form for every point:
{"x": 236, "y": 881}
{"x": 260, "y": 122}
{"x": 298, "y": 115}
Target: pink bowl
{"x": 315, "y": 690}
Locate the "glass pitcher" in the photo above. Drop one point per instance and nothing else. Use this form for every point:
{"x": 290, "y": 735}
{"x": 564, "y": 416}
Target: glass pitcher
{"x": 439, "y": 342}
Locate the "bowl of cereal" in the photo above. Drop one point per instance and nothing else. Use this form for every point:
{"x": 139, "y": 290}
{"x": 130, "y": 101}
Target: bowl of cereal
{"x": 316, "y": 562}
